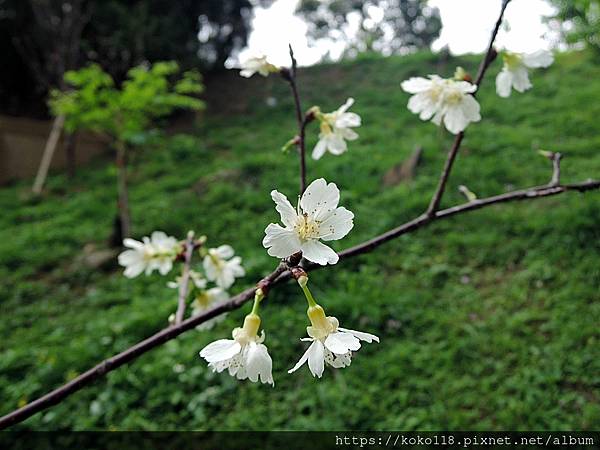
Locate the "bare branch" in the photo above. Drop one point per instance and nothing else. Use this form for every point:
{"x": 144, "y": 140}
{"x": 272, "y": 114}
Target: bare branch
{"x": 290, "y": 76}
{"x": 555, "y": 181}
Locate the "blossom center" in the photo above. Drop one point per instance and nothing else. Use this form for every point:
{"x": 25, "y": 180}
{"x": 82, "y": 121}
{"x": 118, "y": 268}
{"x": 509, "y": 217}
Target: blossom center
{"x": 218, "y": 262}
{"x": 453, "y": 96}
{"x": 202, "y": 300}
{"x": 326, "y": 125}
{"x": 512, "y": 60}
{"x": 435, "y": 92}
{"x": 306, "y": 227}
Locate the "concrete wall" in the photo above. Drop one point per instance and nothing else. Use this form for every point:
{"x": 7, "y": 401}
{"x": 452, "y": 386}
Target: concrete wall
{"x": 22, "y": 143}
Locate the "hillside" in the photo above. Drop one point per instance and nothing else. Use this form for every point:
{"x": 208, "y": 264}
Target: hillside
{"x": 488, "y": 320}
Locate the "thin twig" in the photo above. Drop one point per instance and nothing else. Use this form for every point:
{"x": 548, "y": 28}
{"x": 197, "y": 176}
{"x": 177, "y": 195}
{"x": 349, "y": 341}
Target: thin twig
{"x": 277, "y": 276}
{"x": 302, "y": 121}
{"x": 189, "y": 247}
{"x": 488, "y": 58}
{"x": 555, "y": 181}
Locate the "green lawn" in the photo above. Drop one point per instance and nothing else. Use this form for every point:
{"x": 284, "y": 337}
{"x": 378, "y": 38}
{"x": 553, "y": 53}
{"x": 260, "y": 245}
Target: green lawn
{"x": 488, "y": 320}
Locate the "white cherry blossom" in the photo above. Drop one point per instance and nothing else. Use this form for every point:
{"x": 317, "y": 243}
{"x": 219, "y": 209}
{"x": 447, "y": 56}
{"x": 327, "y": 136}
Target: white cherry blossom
{"x": 317, "y": 217}
{"x": 514, "y": 73}
{"x": 244, "y": 356}
{"x": 156, "y": 252}
{"x": 257, "y": 64}
{"x": 222, "y": 267}
{"x": 205, "y": 300}
{"x": 330, "y": 343}
{"x": 441, "y": 99}
{"x": 336, "y": 129}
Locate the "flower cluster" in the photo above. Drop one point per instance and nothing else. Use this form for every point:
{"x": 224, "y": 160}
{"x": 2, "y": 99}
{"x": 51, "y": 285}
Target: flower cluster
{"x": 451, "y": 101}
{"x": 245, "y": 356}
{"x": 441, "y": 99}
{"x": 316, "y": 219}
{"x": 156, "y": 252}
{"x": 159, "y": 252}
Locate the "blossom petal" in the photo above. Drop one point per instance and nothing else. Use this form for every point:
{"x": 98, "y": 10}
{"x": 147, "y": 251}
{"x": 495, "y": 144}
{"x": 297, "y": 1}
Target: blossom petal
{"x": 541, "y": 58}
{"x": 336, "y": 144}
{"x": 284, "y": 208}
{"x": 348, "y": 134}
{"x": 346, "y": 106}
{"x": 319, "y": 149}
{"x": 367, "y": 337}
{"x": 504, "y": 83}
{"x": 220, "y": 350}
{"x": 318, "y": 252}
{"x": 130, "y": 257}
{"x": 465, "y": 87}
{"x": 319, "y": 198}
{"x": 280, "y": 242}
{"x": 158, "y": 236}
{"x": 341, "y": 343}
{"x": 454, "y": 120}
{"x": 259, "y": 363}
{"x": 303, "y": 359}
{"x": 132, "y": 243}
{"x": 316, "y": 358}
{"x": 348, "y": 120}
{"x": 336, "y": 225}
{"x": 235, "y": 266}
{"x": 133, "y": 270}
{"x": 415, "y": 85}
{"x": 165, "y": 266}
{"x": 520, "y": 79}
{"x": 224, "y": 251}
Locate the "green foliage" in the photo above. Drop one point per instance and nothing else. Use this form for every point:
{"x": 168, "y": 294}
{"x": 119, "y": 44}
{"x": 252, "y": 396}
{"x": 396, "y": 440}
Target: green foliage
{"x": 581, "y": 21}
{"x": 148, "y": 93}
{"x": 488, "y": 320}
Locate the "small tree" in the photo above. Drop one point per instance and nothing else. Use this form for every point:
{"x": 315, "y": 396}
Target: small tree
{"x": 124, "y": 114}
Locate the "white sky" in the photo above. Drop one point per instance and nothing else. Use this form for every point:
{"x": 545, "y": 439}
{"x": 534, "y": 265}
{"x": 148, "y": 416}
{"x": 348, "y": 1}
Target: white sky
{"x": 466, "y": 26}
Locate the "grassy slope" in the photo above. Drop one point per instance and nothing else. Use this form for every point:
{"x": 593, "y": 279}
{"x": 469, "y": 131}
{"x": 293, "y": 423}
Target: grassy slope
{"x": 487, "y": 320}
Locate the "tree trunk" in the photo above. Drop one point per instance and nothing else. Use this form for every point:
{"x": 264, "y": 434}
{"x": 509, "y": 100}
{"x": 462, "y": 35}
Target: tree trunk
{"x": 123, "y": 222}
{"x": 70, "y": 145}
{"x": 49, "y": 149}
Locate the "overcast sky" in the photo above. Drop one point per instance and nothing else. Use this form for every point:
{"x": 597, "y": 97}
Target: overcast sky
{"x": 466, "y": 25}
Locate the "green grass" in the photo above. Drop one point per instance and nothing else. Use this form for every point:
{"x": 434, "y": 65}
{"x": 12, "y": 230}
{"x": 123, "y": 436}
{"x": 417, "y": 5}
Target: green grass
{"x": 488, "y": 320}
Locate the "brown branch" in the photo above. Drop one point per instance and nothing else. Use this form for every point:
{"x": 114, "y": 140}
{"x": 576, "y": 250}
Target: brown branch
{"x": 488, "y": 58}
{"x": 189, "y": 247}
{"x": 280, "y": 274}
{"x": 424, "y": 219}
